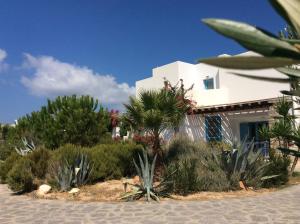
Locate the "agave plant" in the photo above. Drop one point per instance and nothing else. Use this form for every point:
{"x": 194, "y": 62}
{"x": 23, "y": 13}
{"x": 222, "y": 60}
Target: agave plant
{"x": 281, "y": 53}
{"x": 146, "y": 188}
{"x": 68, "y": 176}
{"x": 277, "y": 52}
{"x": 28, "y": 147}
{"x": 64, "y": 176}
{"x": 82, "y": 170}
{"x": 246, "y": 164}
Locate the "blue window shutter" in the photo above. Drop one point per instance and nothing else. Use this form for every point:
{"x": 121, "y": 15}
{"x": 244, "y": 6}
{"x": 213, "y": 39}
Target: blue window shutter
{"x": 213, "y": 128}
{"x": 205, "y": 84}
{"x": 206, "y": 129}
{"x": 244, "y": 131}
{"x": 219, "y": 128}
{"x": 208, "y": 83}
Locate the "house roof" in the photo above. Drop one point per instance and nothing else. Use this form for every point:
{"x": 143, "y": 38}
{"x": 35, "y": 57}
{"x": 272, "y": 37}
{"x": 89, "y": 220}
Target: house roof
{"x": 236, "y": 106}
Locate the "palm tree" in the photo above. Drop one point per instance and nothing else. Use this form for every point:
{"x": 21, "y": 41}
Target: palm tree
{"x": 147, "y": 115}
{"x": 153, "y": 112}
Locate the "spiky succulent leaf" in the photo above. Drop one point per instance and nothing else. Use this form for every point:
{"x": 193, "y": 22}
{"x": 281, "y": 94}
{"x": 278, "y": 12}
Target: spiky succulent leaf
{"x": 138, "y": 170}
{"x": 152, "y": 169}
{"x": 145, "y": 171}
{"x": 249, "y": 62}
{"x": 289, "y": 10}
{"x": 142, "y": 168}
{"x": 290, "y": 152}
{"x": 153, "y": 196}
{"x": 84, "y": 169}
{"x": 269, "y": 177}
{"x": 253, "y": 39}
{"x": 290, "y": 72}
{"x": 262, "y": 78}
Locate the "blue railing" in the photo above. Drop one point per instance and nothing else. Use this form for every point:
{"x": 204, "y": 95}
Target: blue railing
{"x": 264, "y": 145}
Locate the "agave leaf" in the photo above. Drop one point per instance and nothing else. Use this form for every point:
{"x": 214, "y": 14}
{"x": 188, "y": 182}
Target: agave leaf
{"x": 152, "y": 169}
{"x": 142, "y": 167}
{"x": 138, "y": 170}
{"x": 146, "y": 172}
{"x": 249, "y": 62}
{"x": 295, "y": 92}
{"x": 290, "y": 152}
{"x": 253, "y": 39}
{"x": 262, "y": 168}
{"x": 269, "y": 177}
{"x": 154, "y": 196}
{"x": 291, "y": 41}
{"x": 289, "y": 72}
{"x": 289, "y": 10}
{"x": 262, "y": 78}
{"x": 131, "y": 194}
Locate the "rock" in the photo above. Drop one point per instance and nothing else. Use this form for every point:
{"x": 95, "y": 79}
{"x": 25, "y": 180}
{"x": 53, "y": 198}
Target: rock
{"x": 242, "y": 186}
{"x": 136, "y": 180}
{"x": 43, "y": 189}
{"x": 74, "y": 190}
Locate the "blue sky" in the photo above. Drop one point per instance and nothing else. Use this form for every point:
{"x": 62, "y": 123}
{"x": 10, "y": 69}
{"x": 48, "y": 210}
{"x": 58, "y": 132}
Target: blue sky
{"x": 58, "y": 47}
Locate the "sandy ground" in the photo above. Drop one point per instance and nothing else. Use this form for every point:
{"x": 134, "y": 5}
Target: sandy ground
{"x": 112, "y": 191}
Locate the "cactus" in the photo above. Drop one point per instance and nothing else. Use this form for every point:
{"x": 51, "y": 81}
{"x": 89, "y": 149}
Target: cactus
{"x": 28, "y": 147}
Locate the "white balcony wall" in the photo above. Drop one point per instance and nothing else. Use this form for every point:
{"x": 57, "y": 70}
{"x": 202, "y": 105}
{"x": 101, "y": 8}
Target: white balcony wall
{"x": 228, "y": 88}
{"x": 241, "y": 89}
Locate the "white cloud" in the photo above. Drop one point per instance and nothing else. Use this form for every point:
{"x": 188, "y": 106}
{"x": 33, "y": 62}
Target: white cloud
{"x": 3, "y": 65}
{"x": 52, "y": 77}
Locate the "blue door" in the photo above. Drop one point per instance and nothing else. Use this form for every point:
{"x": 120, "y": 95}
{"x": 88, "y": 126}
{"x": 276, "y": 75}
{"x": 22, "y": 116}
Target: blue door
{"x": 250, "y": 130}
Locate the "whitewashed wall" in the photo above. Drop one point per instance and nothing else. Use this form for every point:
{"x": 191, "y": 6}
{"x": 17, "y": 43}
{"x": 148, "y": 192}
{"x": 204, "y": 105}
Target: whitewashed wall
{"x": 228, "y": 88}
{"x": 194, "y": 125}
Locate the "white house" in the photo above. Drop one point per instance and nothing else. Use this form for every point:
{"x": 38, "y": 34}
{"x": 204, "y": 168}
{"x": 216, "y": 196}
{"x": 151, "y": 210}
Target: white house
{"x": 227, "y": 105}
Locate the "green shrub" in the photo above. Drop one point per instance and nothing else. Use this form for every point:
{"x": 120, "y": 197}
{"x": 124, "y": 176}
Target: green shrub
{"x": 184, "y": 177}
{"x": 106, "y": 138}
{"x": 40, "y": 159}
{"x": 67, "y": 153}
{"x": 5, "y": 151}
{"x": 108, "y": 161}
{"x": 113, "y": 161}
{"x": 20, "y": 177}
{"x": 207, "y": 167}
{"x": 194, "y": 167}
{"x": 7, "y": 165}
{"x": 279, "y": 164}
{"x": 179, "y": 148}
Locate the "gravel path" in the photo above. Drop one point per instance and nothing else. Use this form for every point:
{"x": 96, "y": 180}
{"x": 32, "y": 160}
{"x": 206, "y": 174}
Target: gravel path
{"x": 276, "y": 207}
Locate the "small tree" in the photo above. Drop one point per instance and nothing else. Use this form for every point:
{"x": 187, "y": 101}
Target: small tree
{"x": 183, "y": 104}
{"x": 69, "y": 119}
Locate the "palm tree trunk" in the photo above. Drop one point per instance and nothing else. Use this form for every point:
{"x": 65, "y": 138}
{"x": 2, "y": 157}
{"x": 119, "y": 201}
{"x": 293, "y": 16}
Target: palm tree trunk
{"x": 176, "y": 131}
{"x": 156, "y": 144}
{"x": 294, "y": 163}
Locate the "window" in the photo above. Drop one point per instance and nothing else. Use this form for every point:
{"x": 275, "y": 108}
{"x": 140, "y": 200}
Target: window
{"x": 208, "y": 83}
{"x": 213, "y": 128}
{"x": 250, "y": 130}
